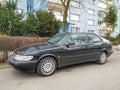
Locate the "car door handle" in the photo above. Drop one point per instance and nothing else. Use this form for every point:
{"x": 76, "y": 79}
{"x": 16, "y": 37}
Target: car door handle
{"x": 90, "y": 46}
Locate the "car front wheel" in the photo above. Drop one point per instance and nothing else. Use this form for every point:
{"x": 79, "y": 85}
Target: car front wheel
{"x": 46, "y": 66}
{"x": 103, "y": 58}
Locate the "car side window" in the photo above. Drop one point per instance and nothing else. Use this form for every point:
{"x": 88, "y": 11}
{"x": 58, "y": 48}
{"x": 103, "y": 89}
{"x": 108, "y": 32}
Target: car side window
{"x": 93, "y": 38}
{"x": 78, "y": 39}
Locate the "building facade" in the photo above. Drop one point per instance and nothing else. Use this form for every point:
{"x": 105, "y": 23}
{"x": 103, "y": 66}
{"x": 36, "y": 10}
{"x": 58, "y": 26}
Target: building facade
{"x": 103, "y": 6}
{"x": 117, "y": 29}
{"x": 83, "y": 15}
{"x": 2, "y": 1}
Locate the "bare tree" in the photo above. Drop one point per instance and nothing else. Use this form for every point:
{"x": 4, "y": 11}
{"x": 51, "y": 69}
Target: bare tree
{"x": 66, "y": 4}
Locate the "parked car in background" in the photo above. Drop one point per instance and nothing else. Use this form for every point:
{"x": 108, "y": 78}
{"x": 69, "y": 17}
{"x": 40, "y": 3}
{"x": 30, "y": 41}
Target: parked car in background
{"x": 61, "y": 50}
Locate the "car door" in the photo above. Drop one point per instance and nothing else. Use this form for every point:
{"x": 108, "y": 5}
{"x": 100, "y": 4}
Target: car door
{"x": 76, "y": 53}
{"x": 95, "y": 46}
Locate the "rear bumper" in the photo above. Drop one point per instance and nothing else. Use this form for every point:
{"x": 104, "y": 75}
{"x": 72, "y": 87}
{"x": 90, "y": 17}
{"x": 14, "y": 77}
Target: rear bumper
{"x": 24, "y": 66}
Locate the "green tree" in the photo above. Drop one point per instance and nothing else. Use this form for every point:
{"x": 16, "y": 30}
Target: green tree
{"x": 10, "y": 21}
{"x": 41, "y": 23}
{"x": 3, "y": 20}
{"x": 47, "y": 24}
{"x": 111, "y": 19}
{"x": 30, "y": 25}
{"x": 14, "y": 19}
{"x": 65, "y": 4}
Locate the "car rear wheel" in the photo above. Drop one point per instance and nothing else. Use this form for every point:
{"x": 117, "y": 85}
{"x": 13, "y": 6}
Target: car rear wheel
{"x": 46, "y": 66}
{"x": 103, "y": 58}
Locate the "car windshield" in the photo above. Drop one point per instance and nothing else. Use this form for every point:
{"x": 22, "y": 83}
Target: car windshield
{"x": 56, "y": 38}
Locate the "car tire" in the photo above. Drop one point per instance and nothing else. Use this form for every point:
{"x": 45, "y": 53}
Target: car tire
{"x": 46, "y": 67}
{"x": 103, "y": 58}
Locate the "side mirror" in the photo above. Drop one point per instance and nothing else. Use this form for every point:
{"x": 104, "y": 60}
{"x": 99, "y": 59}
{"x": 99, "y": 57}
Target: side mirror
{"x": 70, "y": 44}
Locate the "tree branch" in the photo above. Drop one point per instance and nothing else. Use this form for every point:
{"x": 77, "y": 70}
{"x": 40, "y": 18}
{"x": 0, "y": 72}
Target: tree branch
{"x": 68, "y": 2}
{"x": 63, "y": 2}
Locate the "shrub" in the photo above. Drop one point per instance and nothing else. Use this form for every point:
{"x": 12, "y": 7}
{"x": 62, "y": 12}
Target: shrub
{"x": 117, "y": 37}
{"x": 38, "y": 23}
{"x": 110, "y": 38}
{"x": 41, "y": 23}
{"x": 10, "y": 43}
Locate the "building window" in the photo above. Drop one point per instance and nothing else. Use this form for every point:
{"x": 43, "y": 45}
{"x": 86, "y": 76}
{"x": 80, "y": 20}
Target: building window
{"x": 29, "y": 8}
{"x": 92, "y": 1}
{"x": 101, "y": 14}
{"x": 101, "y": 23}
{"x": 91, "y": 11}
{"x": 91, "y": 31}
{"x": 90, "y": 22}
{"x": 75, "y": 17}
{"x": 75, "y": 29}
{"x": 19, "y": 11}
{"x": 75, "y": 4}
{"x": 57, "y": 13}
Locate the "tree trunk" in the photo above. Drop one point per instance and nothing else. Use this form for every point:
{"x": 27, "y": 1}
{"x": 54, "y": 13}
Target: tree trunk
{"x": 64, "y": 19}
{"x": 66, "y": 4}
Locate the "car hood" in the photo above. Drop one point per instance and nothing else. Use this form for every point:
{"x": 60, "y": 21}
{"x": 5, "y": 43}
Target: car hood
{"x": 33, "y": 49}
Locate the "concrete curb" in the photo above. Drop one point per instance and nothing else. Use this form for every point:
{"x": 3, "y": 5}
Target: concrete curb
{"x": 4, "y": 65}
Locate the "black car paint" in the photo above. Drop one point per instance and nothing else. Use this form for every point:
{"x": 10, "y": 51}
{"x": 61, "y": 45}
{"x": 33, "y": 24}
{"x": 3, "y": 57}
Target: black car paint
{"x": 63, "y": 54}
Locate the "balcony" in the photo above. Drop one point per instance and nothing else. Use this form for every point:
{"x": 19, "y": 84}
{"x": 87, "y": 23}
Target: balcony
{"x": 110, "y": 2}
{"x": 102, "y": 28}
{"x": 104, "y": 1}
{"x": 53, "y": 4}
{"x": 102, "y": 9}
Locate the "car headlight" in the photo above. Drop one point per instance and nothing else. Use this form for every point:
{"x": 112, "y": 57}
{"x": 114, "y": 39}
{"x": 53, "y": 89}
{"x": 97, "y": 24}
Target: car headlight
{"x": 23, "y": 58}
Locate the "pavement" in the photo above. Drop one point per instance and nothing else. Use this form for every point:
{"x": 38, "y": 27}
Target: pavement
{"x": 88, "y": 76}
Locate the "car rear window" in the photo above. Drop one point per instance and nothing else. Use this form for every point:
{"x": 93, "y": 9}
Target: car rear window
{"x": 93, "y": 38}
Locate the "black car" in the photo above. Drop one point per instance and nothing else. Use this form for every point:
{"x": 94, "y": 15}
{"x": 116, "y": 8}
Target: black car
{"x": 61, "y": 50}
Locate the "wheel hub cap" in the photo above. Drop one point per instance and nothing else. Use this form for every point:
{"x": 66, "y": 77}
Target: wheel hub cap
{"x": 103, "y": 57}
{"x": 47, "y": 67}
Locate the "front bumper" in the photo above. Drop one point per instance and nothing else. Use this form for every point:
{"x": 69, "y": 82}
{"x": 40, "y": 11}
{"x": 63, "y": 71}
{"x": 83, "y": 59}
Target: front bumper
{"x": 110, "y": 52}
{"x": 22, "y": 65}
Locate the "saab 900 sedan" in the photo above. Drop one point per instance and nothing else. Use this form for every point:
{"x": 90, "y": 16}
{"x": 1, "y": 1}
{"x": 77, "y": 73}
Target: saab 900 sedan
{"x": 61, "y": 50}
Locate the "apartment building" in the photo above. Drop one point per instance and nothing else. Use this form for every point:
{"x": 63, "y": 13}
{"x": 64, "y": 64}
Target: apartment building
{"x": 117, "y": 29}
{"x": 83, "y": 15}
{"x": 103, "y": 6}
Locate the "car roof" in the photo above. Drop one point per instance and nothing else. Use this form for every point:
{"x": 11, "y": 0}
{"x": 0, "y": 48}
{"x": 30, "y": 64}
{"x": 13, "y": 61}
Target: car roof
{"x": 76, "y": 33}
